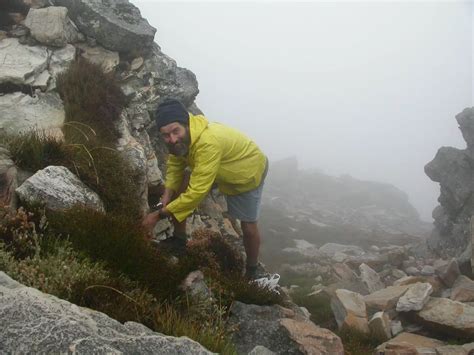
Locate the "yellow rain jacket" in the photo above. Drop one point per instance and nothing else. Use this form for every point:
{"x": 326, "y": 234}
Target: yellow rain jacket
{"x": 217, "y": 153}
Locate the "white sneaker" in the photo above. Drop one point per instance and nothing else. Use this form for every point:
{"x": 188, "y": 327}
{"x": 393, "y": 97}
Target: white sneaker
{"x": 270, "y": 282}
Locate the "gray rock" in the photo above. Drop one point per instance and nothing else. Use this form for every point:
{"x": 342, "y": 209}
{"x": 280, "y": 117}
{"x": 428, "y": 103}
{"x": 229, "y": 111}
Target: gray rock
{"x": 350, "y": 311}
{"x": 21, "y": 113}
{"x": 449, "y": 273}
{"x": 370, "y": 278}
{"x": 396, "y": 327}
{"x": 51, "y": 26}
{"x": 398, "y": 274}
{"x": 261, "y": 350}
{"x": 427, "y": 270}
{"x": 415, "y": 298}
{"x": 21, "y": 64}
{"x": 407, "y": 343}
{"x": 280, "y": 330}
{"x": 106, "y": 59}
{"x": 412, "y": 271}
{"x": 117, "y": 25}
{"x": 33, "y": 322}
{"x": 60, "y": 61}
{"x": 58, "y": 189}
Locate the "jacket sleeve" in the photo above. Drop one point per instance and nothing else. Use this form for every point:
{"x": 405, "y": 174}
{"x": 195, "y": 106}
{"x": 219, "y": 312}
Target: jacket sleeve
{"x": 174, "y": 172}
{"x": 206, "y": 166}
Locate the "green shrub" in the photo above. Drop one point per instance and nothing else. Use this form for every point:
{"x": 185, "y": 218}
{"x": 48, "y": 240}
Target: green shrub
{"x": 91, "y": 98}
{"x": 120, "y": 243}
{"x": 318, "y": 305}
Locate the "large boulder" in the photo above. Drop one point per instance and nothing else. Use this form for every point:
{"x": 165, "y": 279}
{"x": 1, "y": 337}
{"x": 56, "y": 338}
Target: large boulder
{"x": 51, "y": 26}
{"x": 21, "y": 65}
{"x": 447, "y": 316}
{"x": 280, "y": 330}
{"x": 408, "y": 344}
{"x": 385, "y": 299}
{"x": 463, "y": 290}
{"x": 21, "y": 113}
{"x": 58, "y": 189}
{"x": 370, "y": 278}
{"x": 34, "y": 322}
{"x": 350, "y": 311}
{"x": 116, "y": 25}
{"x": 415, "y": 298}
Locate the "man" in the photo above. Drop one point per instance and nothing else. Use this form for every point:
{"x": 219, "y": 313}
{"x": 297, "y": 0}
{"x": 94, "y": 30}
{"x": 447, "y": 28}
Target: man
{"x": 218, "y": 154}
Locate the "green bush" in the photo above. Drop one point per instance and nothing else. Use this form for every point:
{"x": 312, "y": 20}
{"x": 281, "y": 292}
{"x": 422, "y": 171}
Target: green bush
{"x": 92, "y": 99}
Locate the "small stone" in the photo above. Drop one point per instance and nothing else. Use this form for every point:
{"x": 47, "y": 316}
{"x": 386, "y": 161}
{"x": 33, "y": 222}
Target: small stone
{"x": 412, "y": 271}
{"x": 398, "y": 274}
{"x": 136, "y": 63}
{"x": 396, "y": 327}
{"x": 427, "y": 270}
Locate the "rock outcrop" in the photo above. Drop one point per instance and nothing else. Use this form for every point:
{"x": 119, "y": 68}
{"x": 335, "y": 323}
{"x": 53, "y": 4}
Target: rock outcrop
{"x": 453, "y": 169}
{"x": 33, "y": 322}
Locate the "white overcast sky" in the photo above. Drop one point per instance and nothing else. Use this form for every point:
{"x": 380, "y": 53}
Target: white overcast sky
{"x": 365, "y": 88}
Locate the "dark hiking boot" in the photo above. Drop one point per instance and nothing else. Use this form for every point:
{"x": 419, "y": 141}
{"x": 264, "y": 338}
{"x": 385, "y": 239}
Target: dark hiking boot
{"x": 255, "y": 272}
{"x": 173, "y": 245}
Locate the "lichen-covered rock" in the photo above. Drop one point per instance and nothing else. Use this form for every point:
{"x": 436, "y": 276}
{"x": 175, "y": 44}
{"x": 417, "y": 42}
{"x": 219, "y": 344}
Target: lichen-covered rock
{"x": 280, "y": 330}
{"x": 21, "y": 113}
{"x": 58, "y": 189}
{"x": 33, "y": 322}
{"x": 117, "y": 25}
{"x": 51, "y": 26}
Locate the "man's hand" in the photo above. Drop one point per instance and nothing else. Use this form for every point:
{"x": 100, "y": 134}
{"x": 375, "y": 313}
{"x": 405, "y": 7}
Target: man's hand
{"x": 167, "y": 196}
{"x": 149, "y": 221}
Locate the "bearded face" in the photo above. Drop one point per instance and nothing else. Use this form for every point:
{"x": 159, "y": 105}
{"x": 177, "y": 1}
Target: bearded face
{"x": 177, "y": 138}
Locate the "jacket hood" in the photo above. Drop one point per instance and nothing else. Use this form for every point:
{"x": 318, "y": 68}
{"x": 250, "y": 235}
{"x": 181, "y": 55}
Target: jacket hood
{"x": 197, "y": 125}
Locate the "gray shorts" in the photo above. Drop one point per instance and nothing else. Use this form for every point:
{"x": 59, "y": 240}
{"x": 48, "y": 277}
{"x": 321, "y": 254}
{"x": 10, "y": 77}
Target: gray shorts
{"x": 246, "y": 206}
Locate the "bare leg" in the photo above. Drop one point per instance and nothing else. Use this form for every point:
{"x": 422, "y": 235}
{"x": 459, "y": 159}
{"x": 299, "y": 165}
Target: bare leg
{"x": 251, "y": 236}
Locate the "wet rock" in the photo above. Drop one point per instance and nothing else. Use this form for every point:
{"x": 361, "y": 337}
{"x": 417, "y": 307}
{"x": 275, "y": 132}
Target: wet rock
{"x": 463, "y": 290}
{"x": 51, "y": 26}
{"x": 350, "y": 311}
{"x": 370, "y": 278}
{"x": 447, "y": 316}
{"x": 58, "y": 189}
{"x": 34, "y": 322}
{"x": 280, "y": 330}
{"x": 415, "y": 298}
{"x": 380, "y": 327}
{"x": 117, "y": 25}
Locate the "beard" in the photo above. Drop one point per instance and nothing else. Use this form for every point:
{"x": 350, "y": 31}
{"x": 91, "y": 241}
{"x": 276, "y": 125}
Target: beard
{"x": 180, "y": 149}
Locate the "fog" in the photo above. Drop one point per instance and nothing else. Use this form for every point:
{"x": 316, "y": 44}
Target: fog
{"x": 370, "y": 89}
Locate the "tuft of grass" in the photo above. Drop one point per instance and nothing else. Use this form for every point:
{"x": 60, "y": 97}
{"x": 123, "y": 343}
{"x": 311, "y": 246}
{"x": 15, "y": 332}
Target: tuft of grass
{"x": 93, "y": 99}
{"x": 357, "y": 343}
{"x": 319, "y": 306}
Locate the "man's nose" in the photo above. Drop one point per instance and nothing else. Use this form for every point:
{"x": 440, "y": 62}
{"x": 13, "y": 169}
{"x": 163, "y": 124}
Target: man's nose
{"x": 173, "y": 139}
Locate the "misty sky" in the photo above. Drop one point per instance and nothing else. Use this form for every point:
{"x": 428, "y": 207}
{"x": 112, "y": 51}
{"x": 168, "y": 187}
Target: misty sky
{"x": 365, "y": 88}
